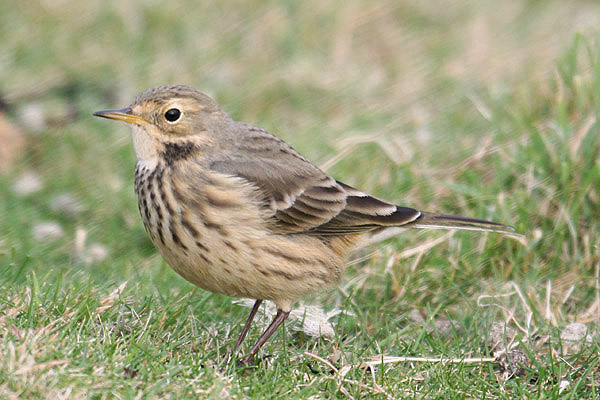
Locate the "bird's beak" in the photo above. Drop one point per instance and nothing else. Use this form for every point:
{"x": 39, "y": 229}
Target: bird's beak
{"x": 122, "y": 114}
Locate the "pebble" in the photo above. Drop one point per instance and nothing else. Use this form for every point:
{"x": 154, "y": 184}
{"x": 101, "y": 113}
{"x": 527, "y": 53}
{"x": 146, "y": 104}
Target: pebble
{"x": 27, "y": 183}
{"x": 88, "y": 254}
{"x": 441, "y": 326}
{"x": 96, "y": 252}
{"x": 513, "y": 363}
{"x": 573, "y": 336}
{"x": 32, "y": 116}
{"x": 67, "y": 205}
{"x": 47, "y": 231}
{"x": 500, "y": 336}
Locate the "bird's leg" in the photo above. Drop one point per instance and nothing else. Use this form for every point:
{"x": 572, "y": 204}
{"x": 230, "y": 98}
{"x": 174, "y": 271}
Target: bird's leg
{"x": 279, "y": 318}
{"x": 247, "y": 325}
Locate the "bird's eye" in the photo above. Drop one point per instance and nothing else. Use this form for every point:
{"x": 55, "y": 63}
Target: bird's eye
{"x": 172, "y": 115}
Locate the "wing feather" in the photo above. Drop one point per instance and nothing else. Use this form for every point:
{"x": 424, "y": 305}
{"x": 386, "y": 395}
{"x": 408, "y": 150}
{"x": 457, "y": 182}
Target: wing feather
{"x": 302, "y": 197}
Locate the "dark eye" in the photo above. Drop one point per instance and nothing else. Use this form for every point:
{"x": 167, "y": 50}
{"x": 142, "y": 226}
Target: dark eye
{"x": 172, "y": 115}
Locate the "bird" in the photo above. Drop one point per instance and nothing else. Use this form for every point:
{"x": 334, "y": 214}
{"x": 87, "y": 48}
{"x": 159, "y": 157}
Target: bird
{"x": 237, "y": 211}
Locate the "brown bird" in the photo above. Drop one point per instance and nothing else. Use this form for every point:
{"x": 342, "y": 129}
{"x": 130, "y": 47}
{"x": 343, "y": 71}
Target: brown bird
{"x": 237, "y": 211}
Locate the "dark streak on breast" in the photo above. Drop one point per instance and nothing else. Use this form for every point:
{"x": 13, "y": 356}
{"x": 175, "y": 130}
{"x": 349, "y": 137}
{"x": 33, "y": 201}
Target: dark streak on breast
{"x": 205, "y": 259}
{"x": 289, "y": 257}
{"x": 216, "y": 227}
{"x": 175, "y": 237}
{"x": 186, "y": 224}
{"x": 203, "y": 247}
{"x": 261, "y": 269}
{"x": 230, "y": 245}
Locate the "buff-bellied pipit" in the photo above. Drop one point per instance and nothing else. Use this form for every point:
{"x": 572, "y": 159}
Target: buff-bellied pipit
{"x": 237, "y": 211}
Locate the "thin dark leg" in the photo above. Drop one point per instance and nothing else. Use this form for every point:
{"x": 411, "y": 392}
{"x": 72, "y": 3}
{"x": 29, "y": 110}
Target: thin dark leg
{"x": 247, "y": 325}
{"x": 279, "y": 318}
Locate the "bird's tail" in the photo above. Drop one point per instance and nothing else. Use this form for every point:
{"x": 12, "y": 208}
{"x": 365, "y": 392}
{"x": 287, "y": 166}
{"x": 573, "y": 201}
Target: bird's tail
{"x": 442, "y": 221}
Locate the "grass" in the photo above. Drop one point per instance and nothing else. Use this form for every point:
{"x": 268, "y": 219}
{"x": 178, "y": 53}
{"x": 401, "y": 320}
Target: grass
{"x": 479, "y": 109}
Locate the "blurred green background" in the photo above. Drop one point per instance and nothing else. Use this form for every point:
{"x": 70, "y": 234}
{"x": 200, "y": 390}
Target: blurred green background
{"x": 481, "y": 108}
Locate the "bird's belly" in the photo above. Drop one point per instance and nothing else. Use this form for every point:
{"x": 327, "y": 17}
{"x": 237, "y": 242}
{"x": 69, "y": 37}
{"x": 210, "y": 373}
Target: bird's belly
{"x": 273, "y": 267}
{"x": 219, "y": 240}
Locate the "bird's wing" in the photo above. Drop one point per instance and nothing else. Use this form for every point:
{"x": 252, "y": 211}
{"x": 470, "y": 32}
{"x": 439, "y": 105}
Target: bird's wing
{"x": 302, "y": 197}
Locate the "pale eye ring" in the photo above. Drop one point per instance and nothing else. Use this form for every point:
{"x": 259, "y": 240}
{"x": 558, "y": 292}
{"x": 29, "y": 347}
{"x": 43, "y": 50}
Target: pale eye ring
{"x": 172, "y": 115}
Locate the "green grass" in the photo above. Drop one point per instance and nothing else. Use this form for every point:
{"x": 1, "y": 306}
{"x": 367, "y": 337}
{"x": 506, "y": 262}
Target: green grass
{"x": 475, "y": 109}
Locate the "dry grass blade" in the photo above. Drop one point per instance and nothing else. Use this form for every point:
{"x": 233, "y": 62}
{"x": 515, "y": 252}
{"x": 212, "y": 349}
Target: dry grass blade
{"x": 339, "y": 376}
{"x": 426, "y": 246}
{"x": 107, "y": 301}
{"x": 381, "y": 360}
{"x": 577, "y": 139}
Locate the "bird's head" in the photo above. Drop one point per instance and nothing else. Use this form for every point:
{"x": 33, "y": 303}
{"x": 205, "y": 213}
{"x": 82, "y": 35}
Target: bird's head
{"x": 169, "y": 115}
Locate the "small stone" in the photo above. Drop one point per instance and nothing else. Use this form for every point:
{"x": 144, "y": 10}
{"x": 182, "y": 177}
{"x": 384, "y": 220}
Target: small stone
{"x": 310, "y": 320}
{"x": 46, "y": 231}
{"x": 513, "y": 363}
{"x": 441, "y": 326}
{"x": 416, "y": 317}
{"x": 32, "y": 117}
{"x": 500, "y": 337}
{"x": 95, "y": 253}
{"x": 572, "y": 337}
{"x": 90, "y": 254}
{"x": 27, "y": 183}
{"x": 67, "y": 205}
{"x": 445, "y": 326}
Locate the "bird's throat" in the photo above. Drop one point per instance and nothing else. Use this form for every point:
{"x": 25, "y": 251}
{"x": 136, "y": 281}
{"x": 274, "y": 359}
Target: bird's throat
{"x": 147, "y": 148}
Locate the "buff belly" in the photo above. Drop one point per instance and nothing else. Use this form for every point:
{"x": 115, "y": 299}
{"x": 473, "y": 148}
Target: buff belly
{"x": 213, "y": 238}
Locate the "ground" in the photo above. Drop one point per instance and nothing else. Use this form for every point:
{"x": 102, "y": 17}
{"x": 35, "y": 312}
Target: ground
{"x": 486, "y": 109}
